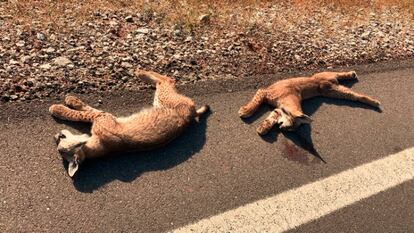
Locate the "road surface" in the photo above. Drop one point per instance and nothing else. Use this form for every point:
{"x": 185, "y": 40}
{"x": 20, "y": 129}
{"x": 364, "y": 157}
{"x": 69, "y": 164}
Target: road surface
{"x": 221, "y": 165}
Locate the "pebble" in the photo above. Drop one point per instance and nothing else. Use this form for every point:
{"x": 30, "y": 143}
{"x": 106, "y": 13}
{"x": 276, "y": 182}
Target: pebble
{"x": 21, "y": 43}
{"x": 40, "y": 36}
{"x": 204, "y": 19}
{"x": 13, "y": 62}
{"x": 129, "y": 19}
{"x": 126, "y": 64}
{"x": 62, "y": 61}
{"x": 49, "y": 50}
{"x": 142, "y": 30}
{"x": 45, "y": 66}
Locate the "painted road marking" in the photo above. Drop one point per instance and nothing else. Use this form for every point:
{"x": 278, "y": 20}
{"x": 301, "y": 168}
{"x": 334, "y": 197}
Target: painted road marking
{"x": 295, "y": 207}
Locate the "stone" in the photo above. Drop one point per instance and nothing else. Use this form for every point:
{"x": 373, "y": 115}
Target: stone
{"x": 46, "y": 66}
{"x": 13, "y": 62}
{"x": 25, "y": 59}
{"x": 126, "y": 65}
{"x": 204, "y": 19}
{"x": 30, "y": 82}
{"x": 62, "y": 61}
{"x": 142, "y": 31}
{"x": 76, "y": 49}
{"x": 365, "y": 35}
{"x": 49, "y": 50}
{"x": 21, "y": 43}
{"x": 40, "y": 36}
{"x": 5, "y": 97}
{"x": 129, "y": 19}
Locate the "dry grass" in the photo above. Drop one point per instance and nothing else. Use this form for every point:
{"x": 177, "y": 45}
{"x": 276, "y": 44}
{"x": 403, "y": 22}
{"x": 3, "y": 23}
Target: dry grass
{"x": 185, "y": 12}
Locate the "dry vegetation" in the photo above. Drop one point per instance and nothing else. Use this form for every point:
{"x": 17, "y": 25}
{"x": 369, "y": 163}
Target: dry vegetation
{"x": 187, "y": 12}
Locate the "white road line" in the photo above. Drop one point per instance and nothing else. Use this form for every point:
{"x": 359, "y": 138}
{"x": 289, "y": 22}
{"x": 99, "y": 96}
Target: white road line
{"x": 295, "y": 207}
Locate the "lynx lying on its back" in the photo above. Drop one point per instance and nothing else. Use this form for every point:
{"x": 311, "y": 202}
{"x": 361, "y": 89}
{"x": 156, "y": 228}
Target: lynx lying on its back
{"x": 286, "y": 97}
{"x": 148, "y": 129}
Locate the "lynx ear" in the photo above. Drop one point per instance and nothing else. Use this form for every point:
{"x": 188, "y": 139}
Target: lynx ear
{"x": 304, "y": 119}
{"x": 73, "y": 167}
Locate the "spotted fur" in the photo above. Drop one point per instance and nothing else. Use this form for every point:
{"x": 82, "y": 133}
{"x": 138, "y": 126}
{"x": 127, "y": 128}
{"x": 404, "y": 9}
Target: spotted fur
{"x": 286, "y": 96}
{"x": 145, "y": 130}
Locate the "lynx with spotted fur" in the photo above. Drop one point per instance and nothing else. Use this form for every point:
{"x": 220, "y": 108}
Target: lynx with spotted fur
{"x": 286, "y": 96}
{"x": 148, "y": 129}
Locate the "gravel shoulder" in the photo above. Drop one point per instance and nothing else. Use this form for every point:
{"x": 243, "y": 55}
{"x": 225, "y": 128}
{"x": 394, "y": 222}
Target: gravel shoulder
{"x": 100, "y": 53}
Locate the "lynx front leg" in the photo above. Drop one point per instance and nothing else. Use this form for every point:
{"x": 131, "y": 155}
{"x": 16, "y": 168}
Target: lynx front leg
{"x": 65, "y": 113}
{"x": 341, "y": 92}
{"x": 77, "y": 104}
{"x": 292, "y": 115}
{"x": 269, "y": 122}
{"x": 251, "y": 107}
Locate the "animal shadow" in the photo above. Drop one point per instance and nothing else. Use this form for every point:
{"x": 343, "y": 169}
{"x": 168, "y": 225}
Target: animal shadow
{"x": 127, "y": 167}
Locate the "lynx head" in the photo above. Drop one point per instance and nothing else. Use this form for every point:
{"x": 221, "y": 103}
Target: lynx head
{"x": 69, "y": 147}
{"x": 289, "y": 122}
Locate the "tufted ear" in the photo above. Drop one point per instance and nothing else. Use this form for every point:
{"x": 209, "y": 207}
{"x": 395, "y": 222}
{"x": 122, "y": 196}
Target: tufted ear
{"x": 304, "y": 119}
{"x": 73, "y": 165}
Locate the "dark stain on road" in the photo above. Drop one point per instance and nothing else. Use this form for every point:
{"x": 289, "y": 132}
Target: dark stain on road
{"x": 298, "y": 146}
{"x": 294, "y": 153}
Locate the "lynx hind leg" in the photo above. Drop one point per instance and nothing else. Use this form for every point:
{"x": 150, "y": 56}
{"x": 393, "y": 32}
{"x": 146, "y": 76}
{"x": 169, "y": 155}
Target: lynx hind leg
{"x": 342, "y": 92}
{"x": 77, "y": 104}
{"x": 251, "y": 107}
{"x": 65, "y": 113}
{"x": 351, "y": 75}
{"x": 269, "y": 122}
{"x": 153, "y": 77}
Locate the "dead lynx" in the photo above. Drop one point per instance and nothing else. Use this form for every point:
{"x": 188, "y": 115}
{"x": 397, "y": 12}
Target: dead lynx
{"x": 148, "y": 129}
{"x": 286, "y": 97}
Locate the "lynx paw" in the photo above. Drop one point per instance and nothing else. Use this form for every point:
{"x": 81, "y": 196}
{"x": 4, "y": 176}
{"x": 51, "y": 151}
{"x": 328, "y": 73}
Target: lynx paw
{"x": 262, "y": 130}
{"x": 244, "y": 113}
{"x": 55, "y": 109}
{"x": 376, "y": 103}
{"x": 74, "y": 102}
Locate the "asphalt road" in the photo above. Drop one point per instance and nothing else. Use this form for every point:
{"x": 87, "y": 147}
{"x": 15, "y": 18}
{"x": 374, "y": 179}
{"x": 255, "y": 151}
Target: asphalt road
{"x": 217, "y": 165}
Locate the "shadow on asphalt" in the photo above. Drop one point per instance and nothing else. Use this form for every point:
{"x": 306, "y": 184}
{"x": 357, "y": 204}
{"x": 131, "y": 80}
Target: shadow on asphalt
{"x": 298, "y": 145}
{"x": 127, "y": 167}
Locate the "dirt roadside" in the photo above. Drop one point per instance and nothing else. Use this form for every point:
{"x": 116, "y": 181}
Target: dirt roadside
{"x": 100, "y": 52}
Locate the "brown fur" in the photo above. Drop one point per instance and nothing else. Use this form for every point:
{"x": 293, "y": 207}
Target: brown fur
{"x": 286, "y": 96}
{"x": 148, "y": 129}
